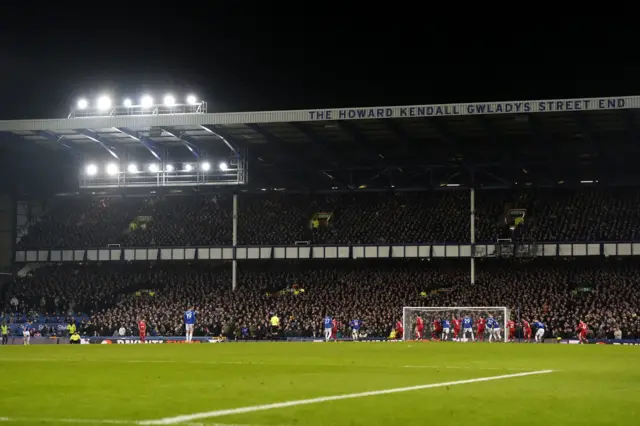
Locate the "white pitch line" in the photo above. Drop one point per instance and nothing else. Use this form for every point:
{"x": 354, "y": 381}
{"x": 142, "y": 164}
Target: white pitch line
{"x": 253, "y": 408}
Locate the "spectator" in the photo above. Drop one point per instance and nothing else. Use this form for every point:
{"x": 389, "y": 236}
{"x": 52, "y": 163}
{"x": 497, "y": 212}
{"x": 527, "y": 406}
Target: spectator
{"x": 605, "y": 294}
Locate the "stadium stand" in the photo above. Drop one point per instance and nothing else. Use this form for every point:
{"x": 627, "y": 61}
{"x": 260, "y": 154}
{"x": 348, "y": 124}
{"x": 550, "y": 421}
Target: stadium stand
{"x": 357, "y": 218}
{"x": 605, "y": 293}
{"x": 433, "y": 158}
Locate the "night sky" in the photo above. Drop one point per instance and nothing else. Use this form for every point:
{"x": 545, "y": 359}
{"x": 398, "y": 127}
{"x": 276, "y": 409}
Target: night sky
{"x": 299, "y": 59}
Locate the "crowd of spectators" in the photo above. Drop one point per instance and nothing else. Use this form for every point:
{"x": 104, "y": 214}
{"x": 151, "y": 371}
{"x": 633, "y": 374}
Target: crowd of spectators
{"x": 604, "y": 293}
{"x": 355, "y": 218}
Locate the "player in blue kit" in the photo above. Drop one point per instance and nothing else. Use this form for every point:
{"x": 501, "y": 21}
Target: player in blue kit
{"x": 467, "y": 327}
{"x": 446, "y": 328}
{"x": 190, "y": 322}
{"x": 540, "y": 331}
{"x": 355, "y": 329}
{"x": 328, "y": 325}
{"x": 26, "y": 333}
{"x": 494, "y": 329}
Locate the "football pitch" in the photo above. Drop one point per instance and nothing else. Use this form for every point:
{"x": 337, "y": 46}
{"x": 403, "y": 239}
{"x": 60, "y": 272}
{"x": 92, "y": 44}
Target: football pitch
{"x": 288, "y": 384}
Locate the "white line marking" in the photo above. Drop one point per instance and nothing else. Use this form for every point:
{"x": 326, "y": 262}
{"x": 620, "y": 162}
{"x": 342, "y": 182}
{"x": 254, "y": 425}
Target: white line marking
{"x": 253, "y": 408}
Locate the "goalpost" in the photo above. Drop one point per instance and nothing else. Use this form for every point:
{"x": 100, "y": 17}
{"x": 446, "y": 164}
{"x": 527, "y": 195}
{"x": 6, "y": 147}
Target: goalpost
{"x": 431, "y": 313}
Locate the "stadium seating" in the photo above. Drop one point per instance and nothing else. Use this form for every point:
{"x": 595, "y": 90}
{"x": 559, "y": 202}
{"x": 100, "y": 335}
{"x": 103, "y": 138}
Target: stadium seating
{"x": 605, "y": 293}
{"x": 357, "y": 218}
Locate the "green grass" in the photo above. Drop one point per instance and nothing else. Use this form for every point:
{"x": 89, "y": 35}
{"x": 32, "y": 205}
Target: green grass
{"x": 593, "y": 384}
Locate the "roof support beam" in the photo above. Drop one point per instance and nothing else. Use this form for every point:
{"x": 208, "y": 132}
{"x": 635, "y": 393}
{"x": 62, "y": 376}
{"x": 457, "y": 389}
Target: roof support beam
{"x": 316, "y": 169}
{"x": 441, "y": 127}
{"x": 306, "y": 130}
{"x": 145, "y": 141}
{"x": 186, "y": 140}
{"x": 587, "y": 133}
{"x": 218, "y": 132}
{"x": 400, "y": 133}
{"x": 507, "y": 148}
{"x": 363, "y": 143}
{"x": 60, "y": 140}
{"x": 633, "y": 126}
{"x": 97, "y": 138}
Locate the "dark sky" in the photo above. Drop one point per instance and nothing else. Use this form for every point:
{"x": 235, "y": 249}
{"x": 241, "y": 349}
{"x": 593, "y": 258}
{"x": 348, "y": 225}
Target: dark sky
{"x": 246, "y": 58}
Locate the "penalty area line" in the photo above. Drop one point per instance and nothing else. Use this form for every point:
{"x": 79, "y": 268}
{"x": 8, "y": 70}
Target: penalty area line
{"x": 250, "y": 409}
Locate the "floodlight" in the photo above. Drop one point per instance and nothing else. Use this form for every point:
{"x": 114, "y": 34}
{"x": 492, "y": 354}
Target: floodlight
{"x": 146, "y": 101}
{"x": 104, "y": 102}
{"x": 168, "y": 167}
{"x": 192, "y": 100}
{"x": 112, "y": 169}
{"x": 128, "y": 103}
{"x": 132, "y": 168}
{"x": 82, "y": 104}
{"x": 205, "y": 167}
{"x": 188, "y": 167}
{"x": 224, "y": 166}
{"x": 169, "y": 100}
{"x": 153, "y": 168}
{"x": 91, "y": 169}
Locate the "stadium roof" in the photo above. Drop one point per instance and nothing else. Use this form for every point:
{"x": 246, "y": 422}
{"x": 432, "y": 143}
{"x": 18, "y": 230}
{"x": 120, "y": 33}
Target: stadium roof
{"x": 489, "y": 143}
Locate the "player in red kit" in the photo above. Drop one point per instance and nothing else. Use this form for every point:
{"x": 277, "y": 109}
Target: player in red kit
{"x": 511, "y": 326}
{"x": 457, "y": 324}
{"x": 419, "y": 328}
{"x": 399, "y": 330}
{"x": 482, "y": 323}
{"x": 334, "y": 329}
{"x": 582, "y": 332}
{"x": 526, "y": 329}
{"x": 437, "y": 330}
{"x": 142, "y": 328}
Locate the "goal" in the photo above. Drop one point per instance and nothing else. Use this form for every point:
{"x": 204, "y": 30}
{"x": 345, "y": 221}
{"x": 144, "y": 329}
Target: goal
{"x": 431, "y": 313}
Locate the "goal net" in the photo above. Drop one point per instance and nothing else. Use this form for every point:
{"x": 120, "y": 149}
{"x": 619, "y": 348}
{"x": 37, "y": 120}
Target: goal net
{"x": 431, "y": 314}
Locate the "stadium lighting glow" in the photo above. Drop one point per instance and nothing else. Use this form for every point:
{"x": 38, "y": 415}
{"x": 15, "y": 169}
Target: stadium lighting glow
{"x": 188, "y": 167}
{"x": 146, "y": 101}
{"x": 205, "y": 167}
{"x": 104, "y": 102}
{"x": 82, "y": 104}
{"x": 153, "y": 168}
{"x": 192, "y": 100}
{"x": 169, "y": 100}
{"x": 112, "y": 169}
{"x": 128, "y": 103}
{"x": 169, "y": 168}
{"x": 132, "y": 168}
{"x": 91, "y": 169}
{"x": 224, "y": 166}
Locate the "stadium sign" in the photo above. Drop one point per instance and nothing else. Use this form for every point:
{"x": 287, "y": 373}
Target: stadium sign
{"x": 150, "y": 341}
{"x": 480, "y": 108}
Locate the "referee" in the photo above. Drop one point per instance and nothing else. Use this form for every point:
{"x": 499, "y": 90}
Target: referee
{"x": 275, "y": 326}
{"x": 5, "y": 334}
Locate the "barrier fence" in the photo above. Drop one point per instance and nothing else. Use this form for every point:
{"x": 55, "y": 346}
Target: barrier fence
{"x": 332, "y": 252}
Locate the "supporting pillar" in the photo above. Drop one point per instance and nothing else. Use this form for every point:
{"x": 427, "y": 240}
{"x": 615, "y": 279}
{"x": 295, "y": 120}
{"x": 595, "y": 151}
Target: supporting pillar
{"x": 234, "y": 239}
{"x": 472, "y": 228}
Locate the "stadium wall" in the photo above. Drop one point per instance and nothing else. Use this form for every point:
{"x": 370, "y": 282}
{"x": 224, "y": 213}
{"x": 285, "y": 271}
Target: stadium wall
{"x": 331, "y": 252}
